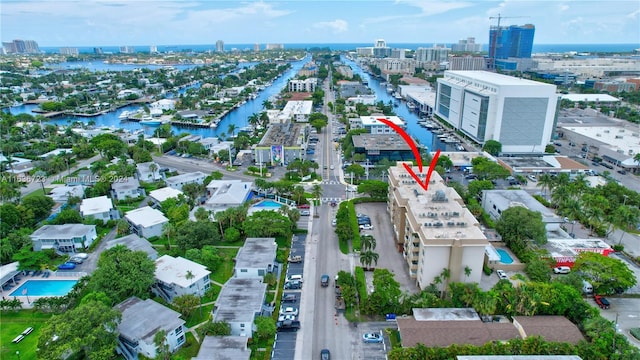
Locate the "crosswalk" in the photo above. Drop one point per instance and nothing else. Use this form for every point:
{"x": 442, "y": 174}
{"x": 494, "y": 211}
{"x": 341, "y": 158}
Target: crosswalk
{"x": 328, "y": 200}
{"x": 330, "y": 182}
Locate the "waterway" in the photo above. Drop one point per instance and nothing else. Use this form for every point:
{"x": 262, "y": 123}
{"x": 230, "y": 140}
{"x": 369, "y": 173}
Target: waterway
{"x": 420, "y": 134}
{"x": 238, "y": 117}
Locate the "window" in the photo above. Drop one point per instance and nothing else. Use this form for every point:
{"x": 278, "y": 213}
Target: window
{"x": 261, "y": 272}
{"x": 179, "y": 330}
{"x": 242, "y": 326}
{"x": 243, "y": 270}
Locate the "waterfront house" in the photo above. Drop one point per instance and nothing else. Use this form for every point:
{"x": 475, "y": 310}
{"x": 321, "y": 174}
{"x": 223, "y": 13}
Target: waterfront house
{"x": 141, "y": 320}
{"x": 146, "y": 221}
{"x": 68, "y": 238}
{"x": 179, "y": 276}
{"x": 99, "y": 208}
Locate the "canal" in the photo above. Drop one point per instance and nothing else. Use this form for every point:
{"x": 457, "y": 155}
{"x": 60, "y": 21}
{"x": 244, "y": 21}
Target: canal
{"x": 238, "y": 117}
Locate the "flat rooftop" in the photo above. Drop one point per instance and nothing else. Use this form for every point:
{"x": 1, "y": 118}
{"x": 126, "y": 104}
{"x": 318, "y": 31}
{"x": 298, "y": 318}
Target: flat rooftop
{"x": 172, "y": 270}
{"x": 239, "y": 300}
{"x": 165, "y": 193}
{"x": 256, "y": 253}
{"x": 544, "y": 163}
{"x": 492, "y": 78}
{"x": 287, "y": 134}
{"x": 448, "y": 314}
{"x": 625, "y": 139}
{"x": 186, "y": 178}
{"x": 372, "y": 120}
{"x": 223, "y": 348}
{"x": 590, "y": 97}
{"x": 96, "y": 205}
{"x": 388, "y": 142}
{"x": 570, "y": 248}
{"x": 439, "y": 211}
{"x": 518, "y": 357}
{"x": 66, "y": 231}
{"x": 146, "y": 217}
{"x": 508, "y": 198}
{"x": 141, "y": 319}
{"x": 128, "y": 184}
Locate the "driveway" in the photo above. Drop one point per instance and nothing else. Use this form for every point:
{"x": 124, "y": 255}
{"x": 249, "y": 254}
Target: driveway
{"x": 389, "y": 258}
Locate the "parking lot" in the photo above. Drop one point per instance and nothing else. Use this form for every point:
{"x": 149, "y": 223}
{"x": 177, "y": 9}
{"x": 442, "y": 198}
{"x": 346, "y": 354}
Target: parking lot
{"x": 284, "y": 347}
{"x": 373, "y": 351}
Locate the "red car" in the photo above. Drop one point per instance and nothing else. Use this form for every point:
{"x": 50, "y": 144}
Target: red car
{"x": 304, "y": 206}
{"x": 602, "y": 302}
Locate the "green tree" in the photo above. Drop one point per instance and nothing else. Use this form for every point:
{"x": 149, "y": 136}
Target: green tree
{"x": 369, "y": 257}
{"x": 186, "y": 304}
{"x": 605, "y": 274}
{"x": 162, "y": 347}
{"x": 316, "y": 192}
{"x": 386, "y": 294}
{"x": 119, "y": 260}
{"x": 356, "y": 169}
{"x": 217, "y": 328}
{"x": 87, "y": 331}
{"x": 518, "y": 225}
{"x": 265, "y": 327}
{"x": 267, "y": 224}
{"x": 493, "y": 147}
{"x": 68, "y": 216}
{"x": 375, "y": 188}
{"x": 39, "y": 205}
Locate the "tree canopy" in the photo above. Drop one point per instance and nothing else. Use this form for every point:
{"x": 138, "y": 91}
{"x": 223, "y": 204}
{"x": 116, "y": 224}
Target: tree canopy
{"x": 267, "y": 224}
{"x": 518, "y": 225}
{"x": 607, "y": 275}
{"x": 493, "y": 147}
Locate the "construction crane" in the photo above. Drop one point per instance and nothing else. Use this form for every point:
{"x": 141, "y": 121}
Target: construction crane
{"x": 492, "y": 46}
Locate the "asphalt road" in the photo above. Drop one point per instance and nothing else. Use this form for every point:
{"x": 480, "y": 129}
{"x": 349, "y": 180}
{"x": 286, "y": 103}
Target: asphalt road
{"x": 35, "y": 184}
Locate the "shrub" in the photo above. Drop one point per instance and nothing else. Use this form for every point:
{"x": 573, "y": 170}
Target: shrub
{"x": 618, "y": 247}
{"x": 635, "y": 332}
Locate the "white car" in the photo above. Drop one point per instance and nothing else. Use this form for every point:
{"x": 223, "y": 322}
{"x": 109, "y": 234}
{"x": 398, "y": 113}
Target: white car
{"x": 289, "y": 311}
{"x": 287, "y": 317}
{"x": 502, "y": 275}
{"x": 305, "y": 212}
{"x": 532, "y": 178}
{"x": 334, "y": 222}
{"x": 352, "y": 189}
{"x": 561, "y": 270}
{"x": 366, "y": 227}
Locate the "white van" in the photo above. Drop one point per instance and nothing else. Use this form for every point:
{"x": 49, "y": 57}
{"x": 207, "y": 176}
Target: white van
{"x": 586, "y": 287}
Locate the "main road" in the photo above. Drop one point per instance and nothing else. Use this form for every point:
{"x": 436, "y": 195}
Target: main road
{"x": 323, "y": 328}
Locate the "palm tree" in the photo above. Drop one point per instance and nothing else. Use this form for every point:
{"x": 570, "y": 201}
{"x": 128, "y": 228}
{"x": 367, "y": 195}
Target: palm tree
{"x": 169, "y": 231}
{"x": 162, "y": 347}
{"x": 267, "y": 105}
{"x": 316, "y": 193}
{"x": 445, "y": 274}
{"x": 636, "y": 158}
{"x": 545, "y": 181}
{"x": 231, "y": 129}
{"x": 153, "y": 167}
{"x": 368, "y": 257}
{"x": 467, "y": 272}
{"x": 368, "y": 242}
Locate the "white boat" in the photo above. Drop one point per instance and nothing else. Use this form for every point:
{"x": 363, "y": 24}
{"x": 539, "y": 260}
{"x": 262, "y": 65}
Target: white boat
{"x": 124, "y": 115}
{"x": 149, "y": 121}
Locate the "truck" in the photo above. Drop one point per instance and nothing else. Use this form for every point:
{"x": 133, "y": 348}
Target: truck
{"x": 340, "y": 305}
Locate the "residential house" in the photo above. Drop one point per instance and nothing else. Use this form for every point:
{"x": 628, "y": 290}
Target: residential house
{"x": 66, "y": 238}
{"x": 148, "y": 171}
{"x": 225, "y": 194}
{"x": 179, "y": 276}
{"x": 61, "y": 194}
{"x": 494, "y": 202}
{"x": 160, "y": 195}
{"x": 127, "y": 189}
{"x": 146, "y": 221}
{"x": 223, "y": 348}
{"x": 178, "y": 181}
{"x": 256, "y": 258}
{"x": 239, "y": 303}
{"x": 99, "y": 208}
{"x": 141, "y": 321}
{"x": 134, "y": 242}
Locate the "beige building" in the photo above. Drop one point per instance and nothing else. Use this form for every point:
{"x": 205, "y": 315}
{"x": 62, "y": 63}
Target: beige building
{"x": 433, "y": 229}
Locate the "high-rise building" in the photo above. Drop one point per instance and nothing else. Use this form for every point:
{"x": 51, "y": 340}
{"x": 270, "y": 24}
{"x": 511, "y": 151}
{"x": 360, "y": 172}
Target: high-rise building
{"x": 21, "y": 47}
{"x": 127, "y": 50}
{"x": 483, "y": 105}
{"x": 256, "y": 47}
{"x": 73, "y": 51}
{"x": 274, "y": 47}
{"x": 468, "y": 45}
{"x": 380, "y": 49}
{"x": 153, "y": 49}
{"x": 513, "y": 41}
{"x": 436, "y": 54}
{"x": 98, "y": 50}
{"x": 220, "y": 46}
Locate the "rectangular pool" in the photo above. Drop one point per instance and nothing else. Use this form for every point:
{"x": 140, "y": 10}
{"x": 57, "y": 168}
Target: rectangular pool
{"x": 45, "y": 288}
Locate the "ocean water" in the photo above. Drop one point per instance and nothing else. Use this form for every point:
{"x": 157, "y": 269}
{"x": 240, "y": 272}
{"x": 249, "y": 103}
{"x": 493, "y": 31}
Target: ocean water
{"x": 537, "y": 48}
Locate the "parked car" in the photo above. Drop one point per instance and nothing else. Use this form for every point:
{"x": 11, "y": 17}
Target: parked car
{"x": 83, "y": 256}
{"x": 304, "y": 206}
{"x": 324, "y": 280}
{"x": 288, "y": 298}
{"x": 366, "y": 227}
{"x": 294, "y": 258}
{"x": 293, "y": 285}
{"x": 305, "y": 212}
{"x": 295, "y": 277}
{"x": 502, "y": 275}
{"x": 289, "y": 310}
{"x": 286, "y": 317}
{"x": 532, "y": 178}
{"x": 75, "y": 260}
{"x": 622, "y": 172}
{"x": 288, "y": 325}
{"x": 561, "y": 270}
{"x": 334, "y": 222}
{"x": 333, "y": 204}
{"x": 325, "y": 354}
{"x": 602, "y": 302}
{"x": 67, "y": 266}
{"x": 372, "y": 338}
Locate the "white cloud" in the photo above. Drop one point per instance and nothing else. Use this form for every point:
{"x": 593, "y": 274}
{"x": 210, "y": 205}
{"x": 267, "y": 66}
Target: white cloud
{"x": 336, "y": 26}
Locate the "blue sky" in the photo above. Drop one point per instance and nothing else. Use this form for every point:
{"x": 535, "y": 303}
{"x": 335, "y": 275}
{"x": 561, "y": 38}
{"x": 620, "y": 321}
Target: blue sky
{"x": 166, "y": 22}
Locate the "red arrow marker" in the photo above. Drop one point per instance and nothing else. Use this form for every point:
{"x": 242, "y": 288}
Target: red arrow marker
{"x": 416, "y": 154}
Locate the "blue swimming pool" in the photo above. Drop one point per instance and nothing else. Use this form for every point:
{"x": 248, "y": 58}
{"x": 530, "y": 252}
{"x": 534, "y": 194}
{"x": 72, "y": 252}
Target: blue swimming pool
{"x": 45, "y": 288}
{"x": 505, "y": 258}
{"x": 268, "y": 204}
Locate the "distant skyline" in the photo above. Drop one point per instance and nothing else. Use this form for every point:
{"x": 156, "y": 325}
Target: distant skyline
{"x": 164, "y": 22}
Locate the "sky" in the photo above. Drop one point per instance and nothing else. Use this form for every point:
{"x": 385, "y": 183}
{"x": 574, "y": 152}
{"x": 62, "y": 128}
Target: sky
{"x": 195, "y": 22}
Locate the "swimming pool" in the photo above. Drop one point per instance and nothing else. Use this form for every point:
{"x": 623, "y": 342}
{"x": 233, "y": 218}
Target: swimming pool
{"x": 45, "y": 288}
{"x": 268, "y": 204}
{"x": 505, "y": 258}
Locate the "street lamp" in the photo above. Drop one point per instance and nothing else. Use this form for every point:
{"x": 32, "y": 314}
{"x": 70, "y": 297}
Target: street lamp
{"x": 18, "y": 354}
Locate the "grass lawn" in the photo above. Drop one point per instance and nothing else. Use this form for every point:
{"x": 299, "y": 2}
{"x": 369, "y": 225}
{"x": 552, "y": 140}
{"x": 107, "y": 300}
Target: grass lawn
{"x": 225, "y": 271}
{"x": 13, "y": 324}
{"x": 189, "y": 349}
{"x": 361, "y": 283}
{"x": 37, "y": 192}
{"x": 196, "y": 318}
{"x": 394, "y": 337}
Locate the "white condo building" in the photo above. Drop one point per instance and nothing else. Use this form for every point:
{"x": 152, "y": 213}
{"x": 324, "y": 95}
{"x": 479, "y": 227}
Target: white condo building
{"x": 519, "y": 113}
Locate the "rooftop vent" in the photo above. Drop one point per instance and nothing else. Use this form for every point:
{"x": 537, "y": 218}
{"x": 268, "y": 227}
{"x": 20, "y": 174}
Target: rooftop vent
{"x": 439, "y": 196}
